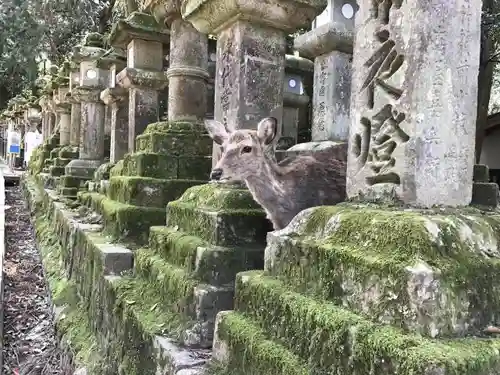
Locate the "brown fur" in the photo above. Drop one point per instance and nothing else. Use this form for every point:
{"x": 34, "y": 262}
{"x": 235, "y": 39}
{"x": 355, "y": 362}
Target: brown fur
{"x": 283, "y": 189}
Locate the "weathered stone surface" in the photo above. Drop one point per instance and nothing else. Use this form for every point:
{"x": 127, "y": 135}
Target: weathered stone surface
{"x": 434, "y": 273}
{"x": 187, "y": 72}
{"x": 403, "y": 92}
{"x": 485, "y": 194}
{"x": 117, "y": 99}
{"x": 331, "y": 46}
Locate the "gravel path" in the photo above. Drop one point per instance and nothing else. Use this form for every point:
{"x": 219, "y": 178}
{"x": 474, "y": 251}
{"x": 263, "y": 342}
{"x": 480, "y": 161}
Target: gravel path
{"x": 29, "y": 339}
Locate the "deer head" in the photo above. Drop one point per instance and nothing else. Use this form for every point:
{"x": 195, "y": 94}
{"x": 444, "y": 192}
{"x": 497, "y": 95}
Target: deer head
{"x": 243, "y": 151}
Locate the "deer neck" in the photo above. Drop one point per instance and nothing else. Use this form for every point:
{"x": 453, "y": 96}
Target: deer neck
{"x": 268, "y": 181}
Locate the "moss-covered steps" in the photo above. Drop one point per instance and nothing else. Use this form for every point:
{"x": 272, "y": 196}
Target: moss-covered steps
{"x": 124, "y": 313}
{"x": 434, "y": 273}
{"x": 212, "y": 233}
{"x": 123, "y": 220}
{"x": 171, "y": 157}
{"x": 275, "y": 330}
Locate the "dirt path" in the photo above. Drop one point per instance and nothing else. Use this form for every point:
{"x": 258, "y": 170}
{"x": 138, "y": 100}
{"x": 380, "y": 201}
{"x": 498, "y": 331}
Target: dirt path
{"x": 29, "y": 340}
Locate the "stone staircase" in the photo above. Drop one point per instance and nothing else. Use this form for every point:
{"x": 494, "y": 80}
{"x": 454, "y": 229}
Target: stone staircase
{"x": 170, "y": 158}
{"x": 355, "y": 289}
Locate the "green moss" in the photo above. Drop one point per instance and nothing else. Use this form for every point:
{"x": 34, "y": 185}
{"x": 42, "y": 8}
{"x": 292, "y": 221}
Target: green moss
{"x": 174, "y": 246}
{"x": 144, "y": 191}
{"x": 219, "y": 197}
{"x": 123, "y": 220}
{"x": 175, "y": 138}
{"x": 364, "y": 258}
{"x": 117, "y": 170}
{"x": 337, "y": 341}
{"x": 251, "y": 351}
{"x": 174, "y": 284}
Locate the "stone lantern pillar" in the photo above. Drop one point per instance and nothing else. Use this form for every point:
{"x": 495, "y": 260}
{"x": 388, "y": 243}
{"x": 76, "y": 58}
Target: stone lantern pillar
{"x": 63, "y": 106}
{"x": 92, "y": 81}
{"x": 330, "y": 44}
{"x": 76, "y": 107}
{"x": 116, "y": 98}
{"x": 250, "y": 53}
{"x": 143, "y": 39}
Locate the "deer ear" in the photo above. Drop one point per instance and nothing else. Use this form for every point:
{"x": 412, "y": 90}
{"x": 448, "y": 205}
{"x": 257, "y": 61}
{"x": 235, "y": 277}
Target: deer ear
{"x": 267, "y": 129}
{"x": 217, "y": 131}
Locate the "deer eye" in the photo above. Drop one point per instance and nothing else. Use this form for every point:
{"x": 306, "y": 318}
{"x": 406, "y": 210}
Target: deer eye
{"x": 246, "y": 150}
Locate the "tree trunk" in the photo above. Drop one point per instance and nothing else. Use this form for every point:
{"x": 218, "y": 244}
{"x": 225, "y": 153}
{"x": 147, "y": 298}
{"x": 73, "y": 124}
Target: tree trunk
{"x": 485, "y": 80}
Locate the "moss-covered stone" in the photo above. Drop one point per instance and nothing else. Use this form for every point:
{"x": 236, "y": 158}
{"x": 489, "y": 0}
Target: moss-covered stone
{"x": 432, "y": 273}
{"x": 251, "y": 352}
{"x": 343, "y": 342}
{"x": 56, "y": 171}
{"x": 166, "y": 166}
{"x": 210, "y": 264}
{"x": 174, "y": 142}
{"x": 61, "y": 162}
{"x": 144, "y": 191}
{"x": 72, "y": 181}
{"x": 124, "y": 220}
{"x": 219, "y": 215}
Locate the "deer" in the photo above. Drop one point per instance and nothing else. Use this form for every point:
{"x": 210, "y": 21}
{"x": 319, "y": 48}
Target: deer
{"x": 281, "y": 189}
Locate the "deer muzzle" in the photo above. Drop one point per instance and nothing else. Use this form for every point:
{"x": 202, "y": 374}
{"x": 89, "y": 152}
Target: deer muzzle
{"x": 216, "y": 174}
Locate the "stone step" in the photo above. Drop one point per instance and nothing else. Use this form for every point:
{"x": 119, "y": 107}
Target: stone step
{"x": 56, "y": 171}
{"x": 186, "y": 138}
{"x": 166, "y": 166}
{"x": 72, "y": 181}
{"x": 147, "y": 333}
{"x": 241, "y": 344}
{"x": 54, "y": 153}
{"x": 69, "y": 154}
{"x": 433, "y": 274}
{"x": 124, "y": 220}
{"x": 220, "y": 216}
{"x": 182, "y": 293}
{"x": 336, "y": 341}
{"x": 146, "y": 191}
{"x": 214, "y": 265}
{"x": 61, "y": 162}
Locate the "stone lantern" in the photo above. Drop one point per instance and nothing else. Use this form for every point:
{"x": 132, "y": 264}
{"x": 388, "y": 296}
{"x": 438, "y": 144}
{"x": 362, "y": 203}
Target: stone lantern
{"x": 330, "y": 44}
{"x": 92, "y": 81}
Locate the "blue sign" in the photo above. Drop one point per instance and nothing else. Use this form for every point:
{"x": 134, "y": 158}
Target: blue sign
{"x": 15, "y": 149}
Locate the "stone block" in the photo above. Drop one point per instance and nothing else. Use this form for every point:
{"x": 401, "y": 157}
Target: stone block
{"x": 169, "y": 141}
{"x": 219, "y": 215}
{"x": 166, "y": 166}
{"x": 61, "y": 162}
{"x": 115, "y": 258}
{"x": 55, "y": 171}
{"x": 397, "y": 152}
{"x": 485, "y": 194}
{"x": 481, "y": 173}
{"x": 146, "y": 191}
{"x": 286, "y": 15}
{"x": 434, "y": 273}
{"x": 341, "y": 341}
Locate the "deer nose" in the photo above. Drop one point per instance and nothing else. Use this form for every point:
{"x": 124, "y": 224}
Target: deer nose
{"x": 216, "y": 174}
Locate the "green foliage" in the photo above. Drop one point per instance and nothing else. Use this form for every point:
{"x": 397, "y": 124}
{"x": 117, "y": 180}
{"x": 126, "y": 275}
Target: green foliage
{"x": 30, "y": 29}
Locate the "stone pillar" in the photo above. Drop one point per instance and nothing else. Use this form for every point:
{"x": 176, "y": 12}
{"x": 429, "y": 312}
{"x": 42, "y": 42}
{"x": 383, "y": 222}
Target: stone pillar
{"x": 413, "y": 102}
{"x": 92, "y": 81}
{"x": 330, "y": 44}
{"x": 250, "y": 54}
{"x": 295, "y": 100}
{"x": 142, "y": 37}
{"x": 188, "y": 69}
{"x": 63, "y": 108}
{"x": 116, "y": 98}
{"x": 76, "y": 107}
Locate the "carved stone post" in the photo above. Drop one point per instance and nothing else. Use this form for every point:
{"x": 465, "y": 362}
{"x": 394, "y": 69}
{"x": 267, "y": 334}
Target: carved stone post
{"x": 188, "y": 70}
{"x": 250, "y": 55}
{"x": 413, "y": 102}
{"x": 92, "y": 81}
{"x": 116, "y": 97}
{"x": 76, "y": 107}
{"x": 143, "y": 39}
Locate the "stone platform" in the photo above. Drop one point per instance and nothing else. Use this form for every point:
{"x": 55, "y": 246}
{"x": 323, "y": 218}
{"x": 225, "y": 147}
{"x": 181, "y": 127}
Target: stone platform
{"x": 361, "y": 289}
